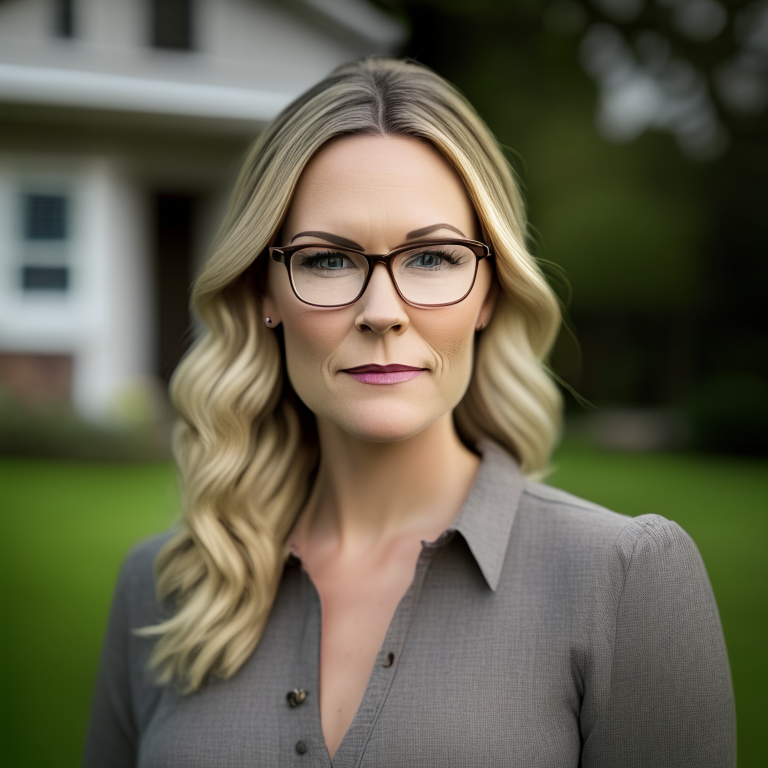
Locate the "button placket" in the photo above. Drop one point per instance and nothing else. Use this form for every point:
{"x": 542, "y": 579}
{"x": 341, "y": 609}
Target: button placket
{"x": 352, "y": 747}
{"x": 303, "y": 743}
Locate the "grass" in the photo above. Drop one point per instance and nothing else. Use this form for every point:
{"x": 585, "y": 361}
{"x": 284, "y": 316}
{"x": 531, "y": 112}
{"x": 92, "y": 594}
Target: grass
{"x": 64, "y": 528}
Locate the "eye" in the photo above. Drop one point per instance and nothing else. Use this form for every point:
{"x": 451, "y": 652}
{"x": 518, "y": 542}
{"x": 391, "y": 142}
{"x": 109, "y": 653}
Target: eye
{"x": 325, "y": 261}
{"x": 432, "y": 259}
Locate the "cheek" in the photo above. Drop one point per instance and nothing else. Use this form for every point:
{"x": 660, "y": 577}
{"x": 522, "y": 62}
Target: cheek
{"x": 451, "y": 334}
{"x": 451, "y": 338}
{"x": 310, "y": 341}
{"x": 309, "y": 335}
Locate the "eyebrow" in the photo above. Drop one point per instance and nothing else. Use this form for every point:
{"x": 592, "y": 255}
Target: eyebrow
{"x": 429, "y": 230}
{"x": 345, "y": 243}
{"x": 335, "y": 239}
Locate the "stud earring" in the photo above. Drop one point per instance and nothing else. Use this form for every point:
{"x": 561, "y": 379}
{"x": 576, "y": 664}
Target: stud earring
{"x": 268, "y": 321}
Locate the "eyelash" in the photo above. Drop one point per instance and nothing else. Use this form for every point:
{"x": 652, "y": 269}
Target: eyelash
{"x": 440, "y": 254}
{"x": 317, "y": 257}
{"x": 332, "y": 254}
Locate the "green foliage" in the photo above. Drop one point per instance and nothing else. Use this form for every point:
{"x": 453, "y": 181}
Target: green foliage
{"x": 665, "y": 255}
{"x": 730, "y": 412}
{"x": 58, "y": 431}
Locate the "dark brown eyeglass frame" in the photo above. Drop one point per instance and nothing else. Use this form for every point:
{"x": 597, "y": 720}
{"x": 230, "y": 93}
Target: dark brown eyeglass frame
{"x": 284, "y": 254}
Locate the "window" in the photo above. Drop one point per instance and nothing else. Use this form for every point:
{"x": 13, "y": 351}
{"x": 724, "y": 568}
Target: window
{"x": 172, "y": 24}
{"x": 45, "y": 236}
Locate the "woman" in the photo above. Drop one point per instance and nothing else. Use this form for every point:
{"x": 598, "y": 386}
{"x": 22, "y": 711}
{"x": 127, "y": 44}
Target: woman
{"x": 361, "y": 425}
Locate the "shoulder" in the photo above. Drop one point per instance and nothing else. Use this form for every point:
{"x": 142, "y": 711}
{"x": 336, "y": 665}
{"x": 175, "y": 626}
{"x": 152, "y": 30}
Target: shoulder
{"x": 556, "y": 507}
{"x": 135, "y": 590}
{"x": 590, "y": 534}
{"x": 561, "y": 537}
{"x": 624, "y": 572}
{"x": 138, "y": 563}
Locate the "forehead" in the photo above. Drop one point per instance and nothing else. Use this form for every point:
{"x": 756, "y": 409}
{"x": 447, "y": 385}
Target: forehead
{"x": 389, "y": 157}
{"x": 370, "y": 184}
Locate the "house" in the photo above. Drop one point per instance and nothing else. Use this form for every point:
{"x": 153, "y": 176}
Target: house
{"x": 122, "y": 124}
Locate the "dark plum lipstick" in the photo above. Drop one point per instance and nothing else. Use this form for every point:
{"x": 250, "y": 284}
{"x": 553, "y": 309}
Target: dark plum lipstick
{"x": 383, "y": 374}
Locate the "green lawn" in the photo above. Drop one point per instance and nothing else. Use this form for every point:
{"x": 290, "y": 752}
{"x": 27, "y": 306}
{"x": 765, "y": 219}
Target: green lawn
{"x": 64, "y": 528}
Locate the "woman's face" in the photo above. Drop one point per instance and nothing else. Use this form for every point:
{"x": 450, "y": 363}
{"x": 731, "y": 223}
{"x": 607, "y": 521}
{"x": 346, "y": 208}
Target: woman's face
{"x": 376, "y": 191}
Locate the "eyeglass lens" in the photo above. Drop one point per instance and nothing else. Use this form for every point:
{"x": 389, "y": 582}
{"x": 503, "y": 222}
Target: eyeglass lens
{"x": 427, "y": 274}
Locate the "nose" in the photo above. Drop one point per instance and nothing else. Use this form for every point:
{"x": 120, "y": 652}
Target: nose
{"x": 380, "y": 308}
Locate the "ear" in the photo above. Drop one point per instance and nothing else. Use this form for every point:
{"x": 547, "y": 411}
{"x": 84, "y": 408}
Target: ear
{"x": 270, "y": 314}
{"x": 269, "y": 305}
{"x": 489, "y": 304}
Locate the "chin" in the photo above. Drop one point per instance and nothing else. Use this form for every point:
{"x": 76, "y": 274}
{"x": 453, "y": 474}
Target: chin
{"x": 384, "y": 425}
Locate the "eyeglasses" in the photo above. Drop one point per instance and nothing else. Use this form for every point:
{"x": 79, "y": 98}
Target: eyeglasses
{"x": 430, "y": 273}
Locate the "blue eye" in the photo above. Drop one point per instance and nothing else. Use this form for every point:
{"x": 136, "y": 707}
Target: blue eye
{"x": 329, "y": 261}
{"x": 431, "y": 260}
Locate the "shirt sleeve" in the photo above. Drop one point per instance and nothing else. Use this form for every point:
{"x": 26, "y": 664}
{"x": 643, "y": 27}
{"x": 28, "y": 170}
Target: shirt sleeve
{"x": 111, "y": 737}
{"x": 126, "y": 694}
{"x": 670, "y": 701}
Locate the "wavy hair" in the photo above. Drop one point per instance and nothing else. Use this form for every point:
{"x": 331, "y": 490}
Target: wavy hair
{"x": 246, "y": 448}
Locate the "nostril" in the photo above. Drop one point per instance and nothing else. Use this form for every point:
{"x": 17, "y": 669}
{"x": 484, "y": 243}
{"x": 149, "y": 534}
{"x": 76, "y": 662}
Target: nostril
{"x": 378, "y": 326}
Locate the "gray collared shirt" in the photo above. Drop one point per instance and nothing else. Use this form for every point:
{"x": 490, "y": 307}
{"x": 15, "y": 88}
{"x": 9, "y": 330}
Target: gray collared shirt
{"x": 540, "y": 631}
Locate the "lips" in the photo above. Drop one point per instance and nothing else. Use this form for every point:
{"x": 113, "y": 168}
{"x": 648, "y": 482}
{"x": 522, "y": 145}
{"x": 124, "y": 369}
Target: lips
{"x": 383, "y": 374}
{"x": 371, "y": 368}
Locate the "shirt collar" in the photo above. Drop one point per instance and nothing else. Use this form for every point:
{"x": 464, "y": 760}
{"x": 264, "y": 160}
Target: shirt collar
{"x": 485, "y": 520}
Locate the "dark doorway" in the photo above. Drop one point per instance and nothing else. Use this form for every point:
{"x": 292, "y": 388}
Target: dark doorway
{"x": 172, "y": 24}
{"x": 174, "y": 214}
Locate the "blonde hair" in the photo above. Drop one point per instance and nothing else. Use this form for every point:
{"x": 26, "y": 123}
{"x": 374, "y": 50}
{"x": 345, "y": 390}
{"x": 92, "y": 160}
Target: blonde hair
{"x": 245, "y": 447}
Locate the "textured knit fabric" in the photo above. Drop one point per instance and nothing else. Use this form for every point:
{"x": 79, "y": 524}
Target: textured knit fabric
{"x": 540, "y": 631}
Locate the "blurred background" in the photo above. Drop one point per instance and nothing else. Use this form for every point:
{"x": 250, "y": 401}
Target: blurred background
{"x": 638, "y": 130}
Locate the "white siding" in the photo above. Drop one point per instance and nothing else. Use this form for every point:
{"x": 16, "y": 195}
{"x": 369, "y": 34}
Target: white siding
{"x": 251, "y": 44}
{"x": 105, "y": 319}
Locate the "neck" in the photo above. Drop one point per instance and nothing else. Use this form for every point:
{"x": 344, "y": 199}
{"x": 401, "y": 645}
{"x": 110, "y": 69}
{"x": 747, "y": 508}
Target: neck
{"x": 369, "y": 493}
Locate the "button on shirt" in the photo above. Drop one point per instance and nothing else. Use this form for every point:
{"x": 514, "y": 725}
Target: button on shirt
{"x": 539, "y": 631}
